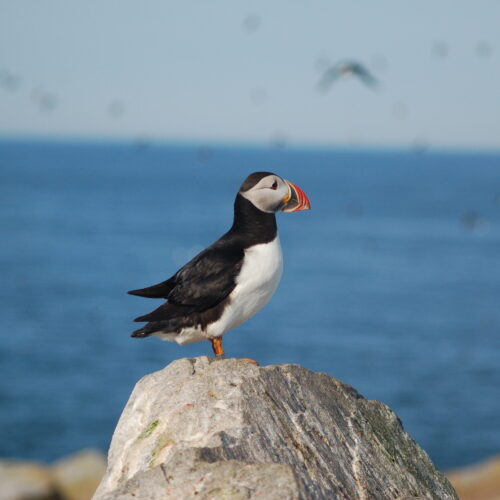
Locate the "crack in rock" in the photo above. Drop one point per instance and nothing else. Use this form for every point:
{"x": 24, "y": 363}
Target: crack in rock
{"x": 356, "y": 460}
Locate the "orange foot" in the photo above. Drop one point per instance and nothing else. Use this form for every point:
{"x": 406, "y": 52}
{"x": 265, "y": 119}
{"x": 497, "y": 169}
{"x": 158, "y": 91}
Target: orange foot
{"x": 217, "y": 347}
{"x": 248, "y": 360}
{"x": 219, "y": 351}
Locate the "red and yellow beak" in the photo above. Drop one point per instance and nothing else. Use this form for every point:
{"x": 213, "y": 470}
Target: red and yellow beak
{"x": 295, "y": 200}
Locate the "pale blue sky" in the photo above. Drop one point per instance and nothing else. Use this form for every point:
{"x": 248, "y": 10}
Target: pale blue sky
{"x": 191, "y": 70}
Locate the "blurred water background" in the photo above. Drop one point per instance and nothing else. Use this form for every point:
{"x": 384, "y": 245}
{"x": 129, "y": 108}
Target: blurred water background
{"x": 391, "y": 282}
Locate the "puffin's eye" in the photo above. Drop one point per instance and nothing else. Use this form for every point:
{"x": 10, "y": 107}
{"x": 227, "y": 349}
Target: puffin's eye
{"x": 275, "y": 185}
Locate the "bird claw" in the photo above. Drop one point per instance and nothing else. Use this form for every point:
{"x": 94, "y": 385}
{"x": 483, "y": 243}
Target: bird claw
{"x": 248, "y": 360}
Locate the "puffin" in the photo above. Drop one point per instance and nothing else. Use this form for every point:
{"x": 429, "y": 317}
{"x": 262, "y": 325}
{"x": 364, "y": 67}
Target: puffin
{"x": 232, "y": 279}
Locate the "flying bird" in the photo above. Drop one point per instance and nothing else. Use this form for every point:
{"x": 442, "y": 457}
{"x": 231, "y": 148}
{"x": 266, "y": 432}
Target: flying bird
{"x": 232, "y": 279}
{"x": 342, "y": 69}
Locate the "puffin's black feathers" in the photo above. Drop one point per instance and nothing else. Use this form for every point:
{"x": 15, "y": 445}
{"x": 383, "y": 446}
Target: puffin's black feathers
{"x": 198, "y": 292}
{"x": 159, "y": 291}
{"x": 208, "y": 278}
{"x": 202, "y": 283}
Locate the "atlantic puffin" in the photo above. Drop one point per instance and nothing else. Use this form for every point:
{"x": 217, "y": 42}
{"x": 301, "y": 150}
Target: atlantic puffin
{"x": 232, "y": 279}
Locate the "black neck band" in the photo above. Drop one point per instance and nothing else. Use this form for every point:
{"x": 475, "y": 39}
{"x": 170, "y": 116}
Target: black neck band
{"x": 251, "y": 224}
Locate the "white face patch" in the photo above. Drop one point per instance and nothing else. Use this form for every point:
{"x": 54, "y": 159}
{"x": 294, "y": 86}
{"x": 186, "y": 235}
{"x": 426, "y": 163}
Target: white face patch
{"x": 268, "y": 194}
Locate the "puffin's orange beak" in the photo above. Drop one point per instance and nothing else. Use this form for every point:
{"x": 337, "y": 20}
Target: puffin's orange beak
{"x": 295, "y": 200}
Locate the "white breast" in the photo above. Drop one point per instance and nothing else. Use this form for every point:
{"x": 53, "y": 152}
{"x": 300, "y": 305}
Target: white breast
{"x": 258, "y": 279}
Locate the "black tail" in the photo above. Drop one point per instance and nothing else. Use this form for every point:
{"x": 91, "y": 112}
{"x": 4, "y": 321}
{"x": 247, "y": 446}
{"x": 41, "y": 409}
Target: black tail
{"x": 142, "y": 319}
{"x": 159, "y": 291}
{"x": 141, "y": 333}
{"x": 164, "y": 312}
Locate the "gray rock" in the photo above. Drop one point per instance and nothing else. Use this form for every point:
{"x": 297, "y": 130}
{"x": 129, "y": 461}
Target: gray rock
{"x": 480, "y": 481}
{"x": 25, "y": 481}
{"x": 74, "y": 477}
{"x": 210, "y": 429}
{"x": 77, "y": 476}
{"x": 187, "y": 475}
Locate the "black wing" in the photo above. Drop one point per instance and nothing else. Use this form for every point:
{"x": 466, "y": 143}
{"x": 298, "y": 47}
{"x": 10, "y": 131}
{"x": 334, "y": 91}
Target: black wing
{"x": 202, "y": 283}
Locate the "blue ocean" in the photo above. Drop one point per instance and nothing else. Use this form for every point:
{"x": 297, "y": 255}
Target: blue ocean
{"x": 391, "y": 282}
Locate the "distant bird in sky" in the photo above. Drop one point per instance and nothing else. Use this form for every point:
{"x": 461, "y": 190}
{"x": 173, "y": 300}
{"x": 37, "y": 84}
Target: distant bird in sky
{"x": 9, "y": 81}
{"x": 44, "y": 100}
{"x": 440, "y": 49}
{"x": 251, "y": 23}
{"x": 116, "y": 108}
{"x": 343, "y": 69}
{"x": 232, "y": 279}
{"x": 483, "y": 49}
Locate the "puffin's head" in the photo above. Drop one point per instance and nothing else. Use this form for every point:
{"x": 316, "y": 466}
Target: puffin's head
{"x": 270, "y": 193}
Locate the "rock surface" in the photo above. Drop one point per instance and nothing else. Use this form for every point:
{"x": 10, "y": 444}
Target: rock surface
{"x": 74, "y": 477}
{"x": 25, "y": 480}
{"x": 478, "y": 482}
{"x": 210, "y": 429}
{"x": 77, "y": 476}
